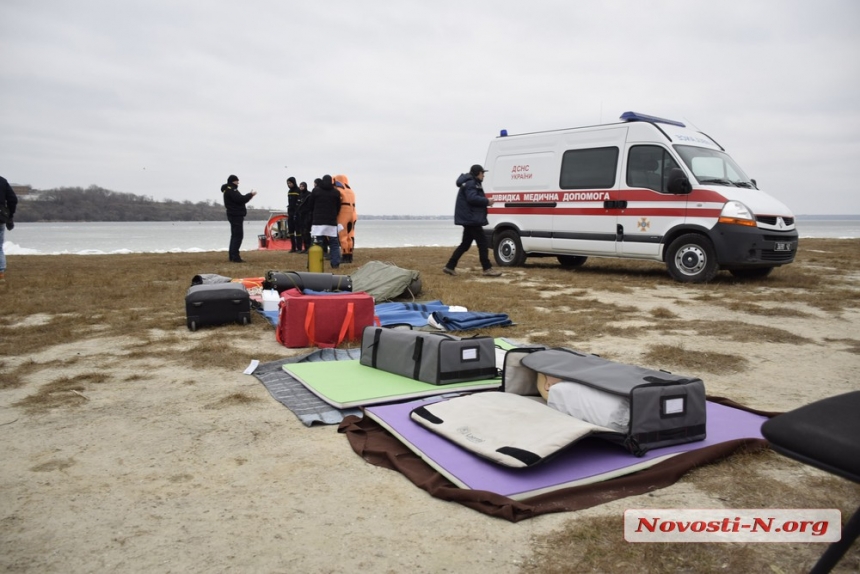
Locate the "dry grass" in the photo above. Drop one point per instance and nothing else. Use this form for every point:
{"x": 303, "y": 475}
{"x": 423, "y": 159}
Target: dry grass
{"x": 694, "y": 361}
{"x": 140, "y": 299}
{"x": 233, "y": 399}
{"x": 739, "y": 331}
{"x": 852, "y": 345}
{"x": 598, "y": 546}
{"x": 63, "y": 392}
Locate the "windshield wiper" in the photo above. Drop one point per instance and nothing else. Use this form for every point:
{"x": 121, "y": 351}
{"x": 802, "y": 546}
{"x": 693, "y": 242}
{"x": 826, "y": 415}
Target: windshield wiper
{"x": 716, "y": 180}
{"x": 745, "y": 184}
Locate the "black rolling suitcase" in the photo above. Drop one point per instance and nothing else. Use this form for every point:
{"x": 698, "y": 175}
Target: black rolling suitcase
{"x": 217, "y": 304}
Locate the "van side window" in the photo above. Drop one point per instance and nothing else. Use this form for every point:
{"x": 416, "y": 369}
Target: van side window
{"x": 649, "y": 166}
{"x": 589, "y": 168}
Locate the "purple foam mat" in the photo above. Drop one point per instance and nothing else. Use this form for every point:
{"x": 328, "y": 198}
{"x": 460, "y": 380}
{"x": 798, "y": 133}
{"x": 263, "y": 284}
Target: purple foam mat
{"x": 589, "y": 460}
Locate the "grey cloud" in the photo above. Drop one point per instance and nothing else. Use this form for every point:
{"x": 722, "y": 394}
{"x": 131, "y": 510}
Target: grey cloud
{"x": 403, "y": 96}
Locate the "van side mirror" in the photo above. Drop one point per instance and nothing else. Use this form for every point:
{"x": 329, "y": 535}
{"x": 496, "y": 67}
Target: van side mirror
{"x": 755, "y": 185}
{"x": 678, "y": 182}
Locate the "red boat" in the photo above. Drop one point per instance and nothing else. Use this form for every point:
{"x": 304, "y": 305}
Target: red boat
{"x": 276, "y": 236}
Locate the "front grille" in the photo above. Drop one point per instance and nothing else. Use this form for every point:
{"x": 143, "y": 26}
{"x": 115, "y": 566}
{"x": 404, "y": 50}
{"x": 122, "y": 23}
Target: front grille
{"x": 777, "y": 256}
{"x": 771, "y": 219}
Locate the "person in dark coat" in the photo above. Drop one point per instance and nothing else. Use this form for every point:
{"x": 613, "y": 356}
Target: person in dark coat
{"x": 304, "y": 217}
{"x": 293, "y": 215}
{"x": 470, "y": 211}
{"x": 8, "y": 205}
{"x": 325, "y": 205}
{"x": 234, "y": 203}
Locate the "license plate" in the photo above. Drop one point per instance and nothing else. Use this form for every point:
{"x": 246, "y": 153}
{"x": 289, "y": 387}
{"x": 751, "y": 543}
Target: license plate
{"x": 783, "y": 246}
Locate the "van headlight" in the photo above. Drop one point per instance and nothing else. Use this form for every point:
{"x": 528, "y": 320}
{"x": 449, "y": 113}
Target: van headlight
{"x": 736, "y": 213}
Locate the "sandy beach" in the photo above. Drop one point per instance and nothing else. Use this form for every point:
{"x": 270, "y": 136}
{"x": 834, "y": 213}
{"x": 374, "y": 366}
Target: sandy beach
{"x": 122, "y": 454}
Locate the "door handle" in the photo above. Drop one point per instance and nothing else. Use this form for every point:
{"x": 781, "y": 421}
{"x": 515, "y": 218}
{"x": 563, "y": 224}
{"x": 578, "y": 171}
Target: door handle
{"x": 615, "y": 204}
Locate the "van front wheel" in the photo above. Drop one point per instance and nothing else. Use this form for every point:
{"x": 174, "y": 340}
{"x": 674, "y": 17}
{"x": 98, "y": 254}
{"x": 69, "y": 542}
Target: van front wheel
{"x": 691, "y": 259}
{"x": 508, "y": 250}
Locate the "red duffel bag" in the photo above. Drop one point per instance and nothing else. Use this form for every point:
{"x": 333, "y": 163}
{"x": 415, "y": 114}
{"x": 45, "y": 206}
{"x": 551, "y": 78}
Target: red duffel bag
{"x": 323, "y": 320}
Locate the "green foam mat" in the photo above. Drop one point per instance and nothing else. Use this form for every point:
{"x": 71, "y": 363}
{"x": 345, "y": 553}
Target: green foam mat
{"x": 345, "y": 384}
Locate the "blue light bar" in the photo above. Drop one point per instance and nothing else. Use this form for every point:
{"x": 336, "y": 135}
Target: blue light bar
{"x": 634, "y": 117}
{"x": 503, "y": 133}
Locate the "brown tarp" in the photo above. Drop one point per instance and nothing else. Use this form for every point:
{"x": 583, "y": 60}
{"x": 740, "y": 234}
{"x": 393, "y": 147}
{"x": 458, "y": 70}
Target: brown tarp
{"x": 380, "y": 448}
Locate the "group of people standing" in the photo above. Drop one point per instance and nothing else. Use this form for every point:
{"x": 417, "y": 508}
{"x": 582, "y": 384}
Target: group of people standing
{"x": 299, "y": 215}
{"x": 325, "y": 215}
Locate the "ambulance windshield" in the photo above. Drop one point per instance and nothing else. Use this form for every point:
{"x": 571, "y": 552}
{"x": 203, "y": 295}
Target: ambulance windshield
{"x": 713, "y": 167}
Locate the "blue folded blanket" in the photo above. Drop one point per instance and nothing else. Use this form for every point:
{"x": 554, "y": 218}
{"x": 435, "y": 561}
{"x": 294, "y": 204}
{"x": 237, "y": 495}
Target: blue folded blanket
{"x": 415, "y": 314}
{"x": 465, "y": 320}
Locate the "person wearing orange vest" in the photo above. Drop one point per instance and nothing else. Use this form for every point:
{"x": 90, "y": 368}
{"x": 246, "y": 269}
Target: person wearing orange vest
{"x": 346, "y": 218}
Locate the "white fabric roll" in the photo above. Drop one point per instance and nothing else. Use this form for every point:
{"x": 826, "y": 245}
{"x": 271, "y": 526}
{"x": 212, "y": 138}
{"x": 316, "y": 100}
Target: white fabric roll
{"x": 590, "y": 405}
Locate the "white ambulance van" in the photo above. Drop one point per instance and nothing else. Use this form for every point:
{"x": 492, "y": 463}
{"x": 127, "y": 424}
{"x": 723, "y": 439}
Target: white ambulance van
{"x": 645, "y": 188}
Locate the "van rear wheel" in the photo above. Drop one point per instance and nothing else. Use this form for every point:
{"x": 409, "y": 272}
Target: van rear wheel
{"x": 508, "y": 250}
{"x": 572, "y": 260}
{"x": 691, "y": 259}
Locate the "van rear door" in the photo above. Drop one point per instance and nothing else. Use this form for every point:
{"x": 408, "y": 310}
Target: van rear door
{"x": 521, "y": 185}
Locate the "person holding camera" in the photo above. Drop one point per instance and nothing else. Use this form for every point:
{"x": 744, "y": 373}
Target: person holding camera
{"x": 234, "y": 203}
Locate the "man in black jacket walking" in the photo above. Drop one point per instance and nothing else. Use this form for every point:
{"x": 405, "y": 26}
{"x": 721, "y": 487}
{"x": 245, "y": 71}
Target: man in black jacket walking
{"x": 234, "y": 203}
{"x": 470, "y": 211}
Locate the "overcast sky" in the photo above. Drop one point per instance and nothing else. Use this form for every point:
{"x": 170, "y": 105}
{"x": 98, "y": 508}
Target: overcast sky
{"x": 166, "y": 98}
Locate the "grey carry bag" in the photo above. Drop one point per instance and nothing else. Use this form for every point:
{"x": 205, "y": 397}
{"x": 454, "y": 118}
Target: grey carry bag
{"x": 434, "y": 358}
{"x": 659, "y": 408}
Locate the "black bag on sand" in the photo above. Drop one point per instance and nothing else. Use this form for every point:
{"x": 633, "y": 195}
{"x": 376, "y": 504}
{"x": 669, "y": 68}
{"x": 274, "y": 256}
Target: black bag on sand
{"x": 217, "y": 304}
{"x": 207, "y": 278}
{"x": 301, "y": 280}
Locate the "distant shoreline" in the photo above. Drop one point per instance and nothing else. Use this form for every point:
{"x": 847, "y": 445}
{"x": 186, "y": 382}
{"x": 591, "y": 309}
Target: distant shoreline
{"x": 849, "y": 217}
{"x": 259, "y": 217}
{"x": 249, "y": 217}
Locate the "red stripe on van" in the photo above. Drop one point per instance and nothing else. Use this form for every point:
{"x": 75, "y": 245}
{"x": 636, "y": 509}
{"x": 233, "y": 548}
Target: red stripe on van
{"x": 600, "y": 211}
{"x": 700, "y": 195}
